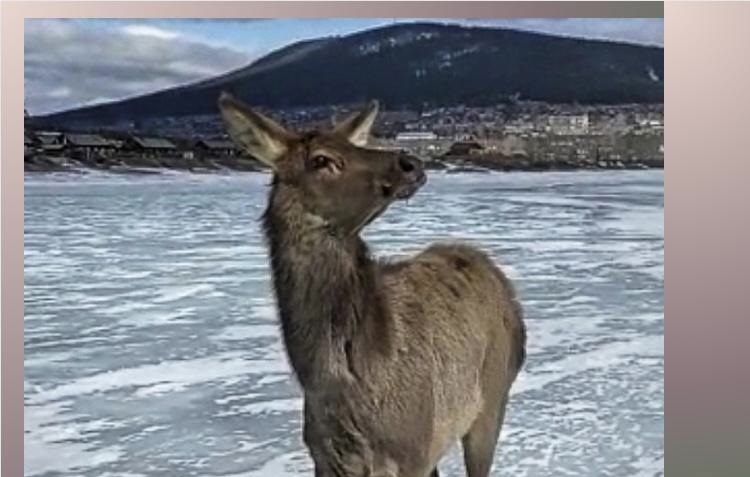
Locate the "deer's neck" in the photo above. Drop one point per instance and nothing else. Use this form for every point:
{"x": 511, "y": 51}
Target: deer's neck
{"x": 333, "y": 313}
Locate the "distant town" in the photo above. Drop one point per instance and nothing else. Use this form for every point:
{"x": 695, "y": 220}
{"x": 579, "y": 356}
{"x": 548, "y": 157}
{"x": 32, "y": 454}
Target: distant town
{"x": 515, "y": 135}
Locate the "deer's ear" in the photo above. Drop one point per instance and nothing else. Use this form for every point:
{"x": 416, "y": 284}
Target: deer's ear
{"x": 357, "y": 127}
{"x": 259, "y": 135}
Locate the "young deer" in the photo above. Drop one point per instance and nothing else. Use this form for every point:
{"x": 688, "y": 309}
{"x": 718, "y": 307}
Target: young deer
{"x": 397, "y": 360}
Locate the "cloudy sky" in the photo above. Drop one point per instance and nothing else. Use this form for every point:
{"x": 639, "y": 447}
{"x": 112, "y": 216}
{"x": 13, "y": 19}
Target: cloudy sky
{"x": 69, "y": 63}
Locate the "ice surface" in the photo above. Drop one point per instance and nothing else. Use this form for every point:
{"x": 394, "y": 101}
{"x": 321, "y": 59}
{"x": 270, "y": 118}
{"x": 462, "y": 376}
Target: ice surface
{"x": 152, "y": 348}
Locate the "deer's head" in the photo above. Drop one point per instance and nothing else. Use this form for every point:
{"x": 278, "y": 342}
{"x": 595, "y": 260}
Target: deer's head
{"x": 332, "y": 173}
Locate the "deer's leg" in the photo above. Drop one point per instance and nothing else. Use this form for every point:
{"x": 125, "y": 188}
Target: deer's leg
{"x": 480, "y": 442}
{"x": 434, "y": 473}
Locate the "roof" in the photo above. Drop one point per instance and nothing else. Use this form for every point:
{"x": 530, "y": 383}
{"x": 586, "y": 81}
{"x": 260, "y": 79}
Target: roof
{"x": 218, "y": 143}
{"x": 88, "y": 140}
{"x": 154, "y": 142}
{"x": 416, "y": 135}
{"x": 46, "y": 137}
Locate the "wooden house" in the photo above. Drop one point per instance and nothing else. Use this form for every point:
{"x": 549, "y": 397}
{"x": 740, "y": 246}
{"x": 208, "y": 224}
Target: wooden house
{"x": 87, "y": 146}
{"x": 150, "y": 146}
{"x": 50, "y": 141}
{"x": 216, "y": 147}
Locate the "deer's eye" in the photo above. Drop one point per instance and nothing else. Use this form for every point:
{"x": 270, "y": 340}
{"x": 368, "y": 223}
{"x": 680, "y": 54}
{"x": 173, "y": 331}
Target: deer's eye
{"x": 320, "y": 161}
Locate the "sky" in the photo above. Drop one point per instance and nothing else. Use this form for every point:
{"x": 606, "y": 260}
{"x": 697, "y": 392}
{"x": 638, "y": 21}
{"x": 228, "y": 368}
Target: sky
{"x": 75, "y": 62}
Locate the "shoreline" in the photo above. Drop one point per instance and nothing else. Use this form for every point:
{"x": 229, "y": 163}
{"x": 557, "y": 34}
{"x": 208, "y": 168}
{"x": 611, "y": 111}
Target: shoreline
{"x": 458, "y": 165}
{"x": 166, "y": 172}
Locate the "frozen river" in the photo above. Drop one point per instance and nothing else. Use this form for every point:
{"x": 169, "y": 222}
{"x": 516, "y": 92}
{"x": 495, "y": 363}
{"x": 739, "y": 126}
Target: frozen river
{"x": 152, "y": 349}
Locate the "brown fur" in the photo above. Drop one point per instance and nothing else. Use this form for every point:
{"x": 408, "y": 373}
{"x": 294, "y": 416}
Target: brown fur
{"x": 397, "y": 360}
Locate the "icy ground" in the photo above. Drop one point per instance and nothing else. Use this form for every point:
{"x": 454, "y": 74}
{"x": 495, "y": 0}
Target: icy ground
{"x": 152, "y": 348}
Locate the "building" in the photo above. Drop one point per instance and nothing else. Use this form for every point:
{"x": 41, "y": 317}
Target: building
{"x": 568, "y": 124}
{"x": 416, "y": 136}
{"x": 151, "y": 146}
{"x": 50, "y": 141}
{"x": 87, "y": 146}
{"x": 216, "y": 147}
{"x": 509, "y": 145}
{"x": 518, "y": 127}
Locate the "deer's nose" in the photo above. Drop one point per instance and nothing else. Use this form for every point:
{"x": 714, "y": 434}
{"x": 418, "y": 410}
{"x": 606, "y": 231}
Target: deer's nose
{"x": 410, "y": 165}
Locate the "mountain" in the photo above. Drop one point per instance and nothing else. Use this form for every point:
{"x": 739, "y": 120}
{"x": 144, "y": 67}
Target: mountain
{"x": 408, "y": 65}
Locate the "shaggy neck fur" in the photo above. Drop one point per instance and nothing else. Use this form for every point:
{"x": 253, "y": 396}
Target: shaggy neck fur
{"x": 329, "y": 295}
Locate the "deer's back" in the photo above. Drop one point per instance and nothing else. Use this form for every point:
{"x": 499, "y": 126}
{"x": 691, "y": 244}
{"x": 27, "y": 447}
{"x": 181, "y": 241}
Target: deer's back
{"x": 459, "y": 325}
{"x": 455, "y": 296}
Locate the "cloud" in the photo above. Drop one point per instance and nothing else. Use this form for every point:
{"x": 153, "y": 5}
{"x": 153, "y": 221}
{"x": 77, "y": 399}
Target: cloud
{"x": 62, "y": 92}
{"x": 67, "y": 64}
{"x": 145, "y": 30}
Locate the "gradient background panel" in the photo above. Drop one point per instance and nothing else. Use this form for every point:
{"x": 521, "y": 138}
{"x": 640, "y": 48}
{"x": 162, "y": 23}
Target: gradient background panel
{"x": 707, "y": 104}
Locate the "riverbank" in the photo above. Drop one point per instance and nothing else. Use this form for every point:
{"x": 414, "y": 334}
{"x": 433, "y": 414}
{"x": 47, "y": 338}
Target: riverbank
{"x": 136, "y": 164}
{"x": 449, "y": 164}
{"x": 480, "y": 163}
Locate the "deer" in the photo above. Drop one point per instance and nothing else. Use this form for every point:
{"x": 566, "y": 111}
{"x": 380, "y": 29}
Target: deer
{"x": 397, "y": 359}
